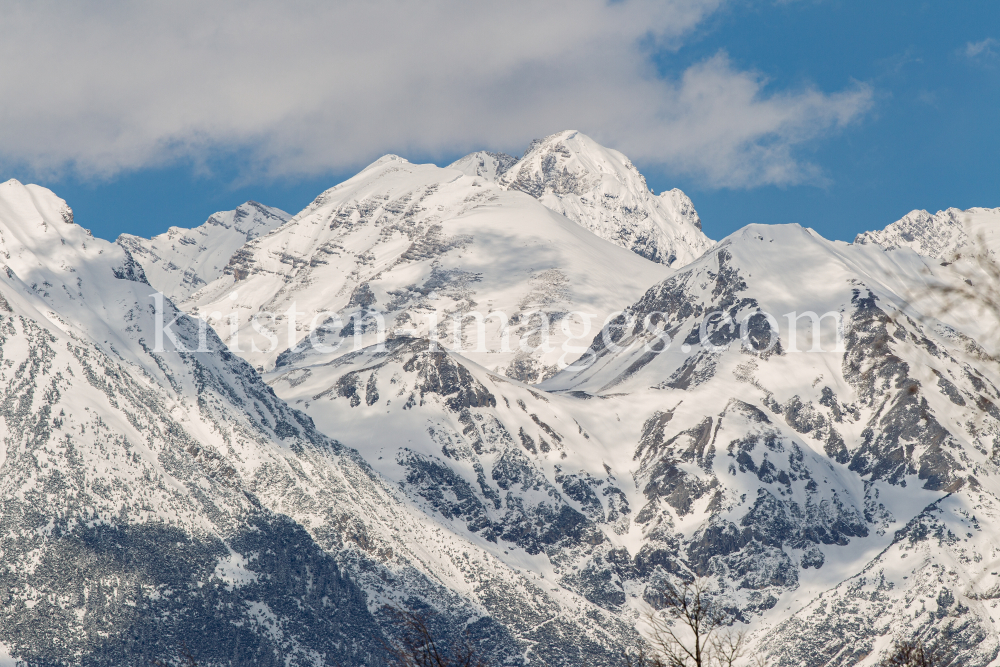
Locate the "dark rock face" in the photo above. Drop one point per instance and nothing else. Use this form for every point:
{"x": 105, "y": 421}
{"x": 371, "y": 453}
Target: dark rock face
{"x": 441, "y": 375}
{"x": 882, "y": 378}
{"x": 448, "y": 493}
{"x": 130, "y": 269}
{"x": 672, "y": 312}
{"x": 529, "y": 370}
{"x": 438, "y": 374}
{"x": 581, "y": 489}
{"x": 537, "y": 527}
{"x": 753, "y": 552}
{"x": 667, "y": 480}
{"x": 362, "y": 296}
{"x": 845, "y": 625}
{"x": 751, "y": 557}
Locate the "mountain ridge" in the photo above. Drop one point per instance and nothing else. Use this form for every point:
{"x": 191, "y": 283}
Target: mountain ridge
{"x": 941, "y": 235}
{"x": 182, "y": 260}
{"x": 419, "y": 245}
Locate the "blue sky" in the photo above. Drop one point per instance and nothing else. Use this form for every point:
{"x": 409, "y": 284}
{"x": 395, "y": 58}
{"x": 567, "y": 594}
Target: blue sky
{"x": 931, "y": 139}
{"x": 842, "y": 116}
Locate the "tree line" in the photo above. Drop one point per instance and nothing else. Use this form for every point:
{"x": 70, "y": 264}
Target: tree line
{"x": 688, "y": 630}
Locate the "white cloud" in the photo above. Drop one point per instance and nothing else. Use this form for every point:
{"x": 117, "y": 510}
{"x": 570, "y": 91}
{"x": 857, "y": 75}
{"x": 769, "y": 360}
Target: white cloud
{"x": 983, "y": 48}
{"x": 304, "y": 87}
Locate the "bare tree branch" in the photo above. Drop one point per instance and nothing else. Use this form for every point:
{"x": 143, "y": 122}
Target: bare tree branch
{"x": 418, "y": 647}
{"x": 969, "y": 287}
{"x": 689, "y": 631}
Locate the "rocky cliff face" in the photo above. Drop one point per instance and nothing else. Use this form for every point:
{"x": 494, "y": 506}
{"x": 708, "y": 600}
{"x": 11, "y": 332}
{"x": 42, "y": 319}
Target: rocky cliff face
{"x": 779, "y": 471}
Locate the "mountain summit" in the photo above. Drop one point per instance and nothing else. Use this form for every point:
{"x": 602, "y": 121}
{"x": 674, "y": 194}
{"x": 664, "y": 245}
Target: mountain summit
{"x": 600, "y": 189}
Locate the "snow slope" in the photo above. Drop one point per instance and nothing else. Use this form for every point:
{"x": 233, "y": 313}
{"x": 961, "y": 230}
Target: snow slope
{"x": 417, "y": 246}
{"x": 180, "y": 261}
{"x": 601, "y": 190}
{"x": 488, "y": 457}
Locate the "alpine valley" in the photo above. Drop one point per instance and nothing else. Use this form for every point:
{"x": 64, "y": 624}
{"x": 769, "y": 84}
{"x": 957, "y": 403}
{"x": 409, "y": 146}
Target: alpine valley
{"x": 517, "y": 395}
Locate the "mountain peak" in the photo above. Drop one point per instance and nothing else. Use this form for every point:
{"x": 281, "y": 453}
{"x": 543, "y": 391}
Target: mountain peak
{"x": 33, "y": 205}
{"x": 569, "y": 162}
{"x": 180, "y": 261}
{"x": 484, "y": 164}
{"x": 681, "y": 206}
{"x": 56, "y": 261}
{"x": 940, "y": 235}
{"x": 600, "y": 189}
{"x": 385, "y": 159}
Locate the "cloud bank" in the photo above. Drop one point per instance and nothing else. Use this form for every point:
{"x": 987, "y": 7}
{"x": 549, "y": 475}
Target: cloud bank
{"x": 303, "y": 87}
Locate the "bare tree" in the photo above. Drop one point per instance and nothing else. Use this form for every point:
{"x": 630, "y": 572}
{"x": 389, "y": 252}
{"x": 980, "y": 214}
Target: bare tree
{"x": 729, "y": 647}
{"x": 417, "y": 645}
{"x": 910, "y": 653}
{"x": 689, "y": 631}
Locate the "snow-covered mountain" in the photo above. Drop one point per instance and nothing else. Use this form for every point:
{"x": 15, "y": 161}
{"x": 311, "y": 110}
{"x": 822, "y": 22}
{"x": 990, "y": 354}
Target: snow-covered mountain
{"x": 942, "y": 235}
{"x": 837, "y": 480}
{"x": 418, "y": 246}
{"x": 798, "y": 480}
{"x": 600, "y": 189}
{"x": 795, "y": 478}
{"x": 493, "y": 459}
{"x": 180, "y": 261}
{"x": 128, "y": 518}
{"x": 159, "y": 499}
